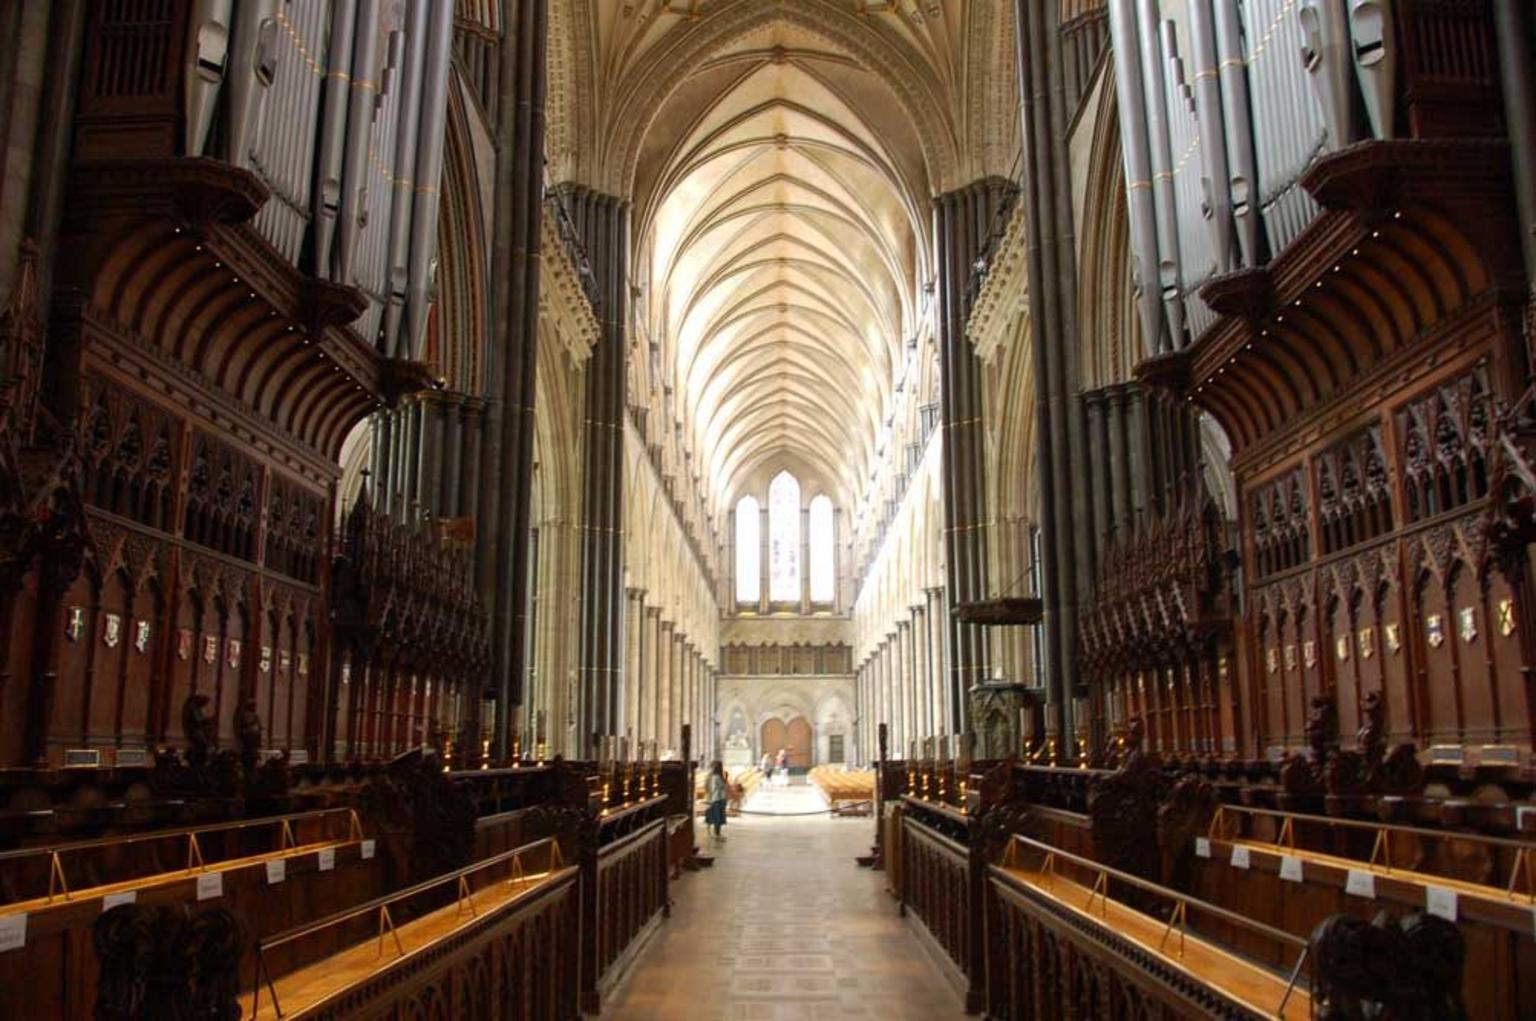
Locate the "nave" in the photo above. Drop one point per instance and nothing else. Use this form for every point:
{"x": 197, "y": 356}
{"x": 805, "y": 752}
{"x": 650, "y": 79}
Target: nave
{"x": 1096, "y": 437}
{"x": 783, "y": 927}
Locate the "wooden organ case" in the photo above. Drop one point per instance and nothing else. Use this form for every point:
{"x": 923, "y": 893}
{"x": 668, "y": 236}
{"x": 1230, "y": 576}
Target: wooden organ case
{"x": 244, "y": 276}
{"x": 1356, "y": 325}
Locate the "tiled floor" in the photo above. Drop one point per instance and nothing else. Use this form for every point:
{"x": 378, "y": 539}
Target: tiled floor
{"x": 785, "y": 927}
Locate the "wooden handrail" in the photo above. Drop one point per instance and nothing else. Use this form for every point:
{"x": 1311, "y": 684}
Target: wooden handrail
{"x": 347, "y": 914}
{"x": 1524, "y": 863}
{"x": 625, "y": 843}
{"x": 184, "y": 831}
{"x": 1181, "y": 902}
{"x": 1153, "y": 888}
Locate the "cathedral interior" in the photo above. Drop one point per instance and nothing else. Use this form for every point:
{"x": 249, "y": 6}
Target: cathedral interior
{"x": 1071, "y": 463}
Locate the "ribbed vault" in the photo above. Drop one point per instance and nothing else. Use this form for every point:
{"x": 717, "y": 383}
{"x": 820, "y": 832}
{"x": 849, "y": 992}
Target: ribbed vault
{"x": 777, "y": 206}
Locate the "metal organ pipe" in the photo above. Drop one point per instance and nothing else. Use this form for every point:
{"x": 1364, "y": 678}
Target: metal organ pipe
{"x": 333, "y": 133}
{"x": 1138, "y": 174}
{"x": 251, "y": 56}
{"x": 429, "y": 174}
{"x": 1196, "y": 250}
{"x": 207, "y": 59}
{"x": 404, "y": 184}
{"x": 1328, "y": 56}
{"x": 365, "y": 88}
{"x": 1163, "y": 200}
{"x": 1374, "y": 47}
{"x": 1213, "y": 142}
{"x": 1235, "y": 117}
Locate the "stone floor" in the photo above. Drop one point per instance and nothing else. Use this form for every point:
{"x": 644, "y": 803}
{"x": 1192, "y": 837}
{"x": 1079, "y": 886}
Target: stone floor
{"x": 785, "y": 927}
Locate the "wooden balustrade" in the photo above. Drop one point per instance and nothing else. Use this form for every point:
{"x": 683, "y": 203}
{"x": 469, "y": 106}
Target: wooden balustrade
{"x": 937, "y": 885}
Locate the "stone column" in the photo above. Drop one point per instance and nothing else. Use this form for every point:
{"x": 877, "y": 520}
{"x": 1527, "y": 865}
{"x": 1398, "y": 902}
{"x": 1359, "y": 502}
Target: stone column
{"x": 908, "y": 677}
{"x": 602, "y": 222}
{"x": 963, "y": 220}
{"x": 634, "y": 610}
{"x": 507, "y": 452}
{"x": 805, "y": 555}
{"x": 1052, "y": 292}
{"x": 650, "y": 708}
{"x": 937, "y": 672}
{"x": 665, "y": 667}
{"x": 674, "y": 733}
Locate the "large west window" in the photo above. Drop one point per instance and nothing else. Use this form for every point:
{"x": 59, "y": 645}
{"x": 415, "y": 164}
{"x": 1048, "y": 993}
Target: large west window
{"x": 784, "y": 539}
{"x": 749, "y": 574}
{"x": 823, "y": 552}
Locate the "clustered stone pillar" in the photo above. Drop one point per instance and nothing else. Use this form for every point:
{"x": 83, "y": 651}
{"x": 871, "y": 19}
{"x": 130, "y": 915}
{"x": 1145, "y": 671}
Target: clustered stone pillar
{"x": 1065, "y": 518}
{"x": 503, "y": 454}
{"x": 962, "y": 222}
{"x": 602, "y": 223}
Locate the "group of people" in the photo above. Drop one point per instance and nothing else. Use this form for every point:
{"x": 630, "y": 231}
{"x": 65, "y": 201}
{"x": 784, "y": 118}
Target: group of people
{"x": 717, "y": 788}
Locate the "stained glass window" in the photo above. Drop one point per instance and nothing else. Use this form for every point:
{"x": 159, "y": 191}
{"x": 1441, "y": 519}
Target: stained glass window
{"x": 784, "y": 539}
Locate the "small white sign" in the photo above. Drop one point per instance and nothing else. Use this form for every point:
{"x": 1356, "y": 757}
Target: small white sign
{"x": 210, "y": 885}
{"x": 1360, "y": 883}
{"x": 1290, "y": 868}
{"x": 277, "y": 871}
{"x": 1240, "y": 857}
{"x": 1521, "y": 813}
{"x": 1440, "y": 901}
{"x": 1202, "y": 847}
{"x": 112, "y": 900}
{"x": 367, "y": 849}
{"x": 13, "y": 931}
{"x": 326, "y": 858}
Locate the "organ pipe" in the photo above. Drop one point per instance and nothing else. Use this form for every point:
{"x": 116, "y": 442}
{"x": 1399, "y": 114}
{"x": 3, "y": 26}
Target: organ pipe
{"x": 428, "y": 174}
{"x": 404, "y": 189}
{"x": 1328, "y": 58}
{"x": 1213, "y": 145}
{"x": 207, "y": 59}
{"x": 333, "y": 133}
{"x": 1239, "y": 129}
{"x": 1375, "y": 57}
{"x": 1138, "y": 172}
{"x": 1163, "y": 200}
{"x": 364, "y": 88}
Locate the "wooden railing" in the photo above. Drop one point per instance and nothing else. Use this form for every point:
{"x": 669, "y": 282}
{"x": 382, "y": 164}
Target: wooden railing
{"x": 1392, "y": 847}
{"x": 496, "y": 939}
{"x": 123, "y": 859}
{"x": 1065, "y": 940}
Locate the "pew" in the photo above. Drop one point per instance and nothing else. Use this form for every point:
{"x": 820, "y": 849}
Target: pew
{"x": 844, "y": 789}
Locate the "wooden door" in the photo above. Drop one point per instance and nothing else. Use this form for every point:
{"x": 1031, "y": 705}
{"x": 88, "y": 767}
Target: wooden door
{"x": 774, "y": 736}
{"x": 798, "y": 741}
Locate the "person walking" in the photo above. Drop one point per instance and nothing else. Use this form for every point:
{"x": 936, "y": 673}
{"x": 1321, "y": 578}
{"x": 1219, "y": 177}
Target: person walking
{"x": 783, "y": 768}
{"x": 717, "y": 791}
{"x": 766, "y": 766}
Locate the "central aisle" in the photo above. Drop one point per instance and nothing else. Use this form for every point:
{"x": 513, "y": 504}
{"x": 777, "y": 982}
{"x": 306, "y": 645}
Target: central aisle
{"x": 785, "y": 927}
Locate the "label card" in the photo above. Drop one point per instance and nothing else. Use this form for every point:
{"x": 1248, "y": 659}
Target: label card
{"x": 1521, "y": 812}
{"x": 1240, "y": 857}
{"x": 210, "y": 885}
{"x": 1290, "y": 868}
{"x": 367, "y": 848}
{"x": 1360, "y": 883}
{"x": 1440, "y": 901}
{"x": 326, "y": 858}
{"x": 1202, "y": 847}
{"x": 277, "y": 871}
{"x": 112, "y": 900}
{"x": 13, "y": 931}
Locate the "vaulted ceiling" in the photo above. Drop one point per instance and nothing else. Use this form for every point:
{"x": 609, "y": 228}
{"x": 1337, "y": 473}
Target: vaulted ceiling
{"x": 780, "y": 156}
